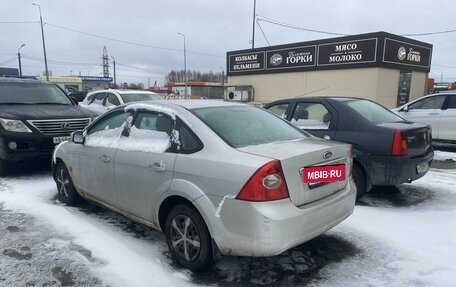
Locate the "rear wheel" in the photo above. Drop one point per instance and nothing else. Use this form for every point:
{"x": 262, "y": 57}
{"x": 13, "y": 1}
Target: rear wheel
{"x": 360, "y": 180}
{"x": 188, "y": 238}
{"x": 65, "y": 188}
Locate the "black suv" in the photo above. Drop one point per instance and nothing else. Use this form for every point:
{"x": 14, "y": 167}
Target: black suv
{"x": 34, "y": 117}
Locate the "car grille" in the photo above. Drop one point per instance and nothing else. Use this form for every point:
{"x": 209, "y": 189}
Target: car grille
{"x": 59, "y": 127}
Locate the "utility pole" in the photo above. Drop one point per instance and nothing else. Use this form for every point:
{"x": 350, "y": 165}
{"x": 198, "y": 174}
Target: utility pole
{"x": 185, "y": 64}
{"x": 44, "y": 45}
{"x": 114, "y": 64}
{"x": 19, "y": 59}
{"x": 253, "y": 25}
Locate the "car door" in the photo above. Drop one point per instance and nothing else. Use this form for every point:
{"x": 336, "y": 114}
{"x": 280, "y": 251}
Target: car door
{"x": 94, "y": 161}
{"x": 427, "y": 110}
{"x": 447, "y": 130}
{"x": 144, "y": 166}
{"x": 315, "y": 116}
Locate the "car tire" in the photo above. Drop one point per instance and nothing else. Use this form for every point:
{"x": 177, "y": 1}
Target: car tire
{"x": 188, "y": 238}
{"x": 360, "y": 180}
{"x": 66, "y": 192}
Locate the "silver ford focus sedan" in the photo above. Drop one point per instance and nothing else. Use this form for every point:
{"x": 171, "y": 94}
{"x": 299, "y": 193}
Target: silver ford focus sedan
{"x": 216, "y": 177}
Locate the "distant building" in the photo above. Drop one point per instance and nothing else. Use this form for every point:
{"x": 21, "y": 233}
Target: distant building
{"x": 383, "y": 67}
{"x": 204, "y": 90}
{"x": 9, "y": 72}
{"x": 81, "y": 83}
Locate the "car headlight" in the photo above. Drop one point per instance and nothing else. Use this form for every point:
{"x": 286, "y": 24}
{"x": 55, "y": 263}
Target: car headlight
{"x": 14, "y": 126}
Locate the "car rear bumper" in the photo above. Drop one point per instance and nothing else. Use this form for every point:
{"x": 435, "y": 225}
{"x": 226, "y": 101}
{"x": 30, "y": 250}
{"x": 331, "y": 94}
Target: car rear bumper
{"x": 392, "y": 170}
{"x": 246, "y": 228}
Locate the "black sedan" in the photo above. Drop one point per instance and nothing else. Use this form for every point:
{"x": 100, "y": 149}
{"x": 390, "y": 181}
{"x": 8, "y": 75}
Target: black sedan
{"x": 388, "y": 150}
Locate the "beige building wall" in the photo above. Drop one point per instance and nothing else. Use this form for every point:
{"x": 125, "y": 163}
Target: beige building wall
{"x": 377, "y": 84}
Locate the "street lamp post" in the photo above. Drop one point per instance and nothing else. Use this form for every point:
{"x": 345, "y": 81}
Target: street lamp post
{"x": 44, "y": 45}
{"x": 114, "y": 64}
{"x": 223, "y": 76}
{"x": 19, "y": 59}
{"x": 253, "y": 24}
{"x": 185, "y": 64}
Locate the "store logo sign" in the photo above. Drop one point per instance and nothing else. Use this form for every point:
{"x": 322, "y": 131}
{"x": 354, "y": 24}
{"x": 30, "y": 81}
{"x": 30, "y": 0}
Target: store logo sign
{"x": 276, "y": 59}
{"x": 401, "y": 53}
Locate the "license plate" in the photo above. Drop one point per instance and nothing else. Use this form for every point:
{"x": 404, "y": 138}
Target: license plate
{"x": 58, "y": 140}
{"x": 327, "y": 173}
{"x": 422, "y": 167}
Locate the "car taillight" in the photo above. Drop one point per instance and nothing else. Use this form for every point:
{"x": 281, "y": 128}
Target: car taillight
{"x": 400, "y": 146}
{"x": 266, "y": 184}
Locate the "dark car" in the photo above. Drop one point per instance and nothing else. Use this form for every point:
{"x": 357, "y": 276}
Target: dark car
{"x": 388, "y": 150}
{"x": 34, "y": 117}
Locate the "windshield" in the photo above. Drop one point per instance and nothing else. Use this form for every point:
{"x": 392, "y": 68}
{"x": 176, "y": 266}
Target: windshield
{"x": 140, "y": 97}
{"x": 32, "y": 93}
{"x": 373, "y": 112}
{"x": 241, "y": 126}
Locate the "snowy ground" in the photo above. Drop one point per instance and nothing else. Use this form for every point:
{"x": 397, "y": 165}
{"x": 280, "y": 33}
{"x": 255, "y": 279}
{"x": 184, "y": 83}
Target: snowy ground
{"x": 396, "y": 237}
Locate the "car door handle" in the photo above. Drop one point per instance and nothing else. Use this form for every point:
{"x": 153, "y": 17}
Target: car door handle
{"x": 105, "y": 159}
{"x": 326, "y": 137}
{"x": 157, "y": 166}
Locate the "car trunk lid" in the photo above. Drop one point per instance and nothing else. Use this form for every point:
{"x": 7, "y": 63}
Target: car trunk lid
{"x": 418, "y": 136}
{"x": 298, "y": 155}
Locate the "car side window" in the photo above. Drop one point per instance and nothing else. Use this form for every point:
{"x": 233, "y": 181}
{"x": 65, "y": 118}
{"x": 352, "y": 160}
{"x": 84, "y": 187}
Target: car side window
{"x": 98, "y": 99}
{"x": 109, "y": 122}
{"x": 112, "y": 100}
{"x": 311, "y": 116}
{"x": 452, "y": 102}
{"x": 151, "y": 132}
{"x": 279, "y": 109}
{"x": 188, "y": 141}
{"x": 428, "y": 103}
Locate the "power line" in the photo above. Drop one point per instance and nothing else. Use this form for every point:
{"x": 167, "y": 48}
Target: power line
{"x": 262, "y": 32}
{"x": 429, "y": 33}
{"x": 275, "y": 22}
{"x": 131, "y": 43}
{"x": 8, "y": 61}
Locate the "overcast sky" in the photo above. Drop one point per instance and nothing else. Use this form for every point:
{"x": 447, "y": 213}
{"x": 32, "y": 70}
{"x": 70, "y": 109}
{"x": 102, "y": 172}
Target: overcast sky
{"x": 142, "y": 35}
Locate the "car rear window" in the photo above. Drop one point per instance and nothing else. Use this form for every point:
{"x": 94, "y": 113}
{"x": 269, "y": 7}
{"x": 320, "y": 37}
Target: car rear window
{"x": 139, "y": 97}
{"x": 32, "y": 93}
{"x": 242, "y": 126}
{"x": 373, "y": 112}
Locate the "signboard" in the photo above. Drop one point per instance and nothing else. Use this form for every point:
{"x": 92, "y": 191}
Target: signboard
{"x": 403, "y": 53}
{"x": 97, "y": 79}
{"x": 350, "y": 52}
{"x": 358, "y": 51}
{"x": 246, "y": 62}
{"x": 296, "y": 57}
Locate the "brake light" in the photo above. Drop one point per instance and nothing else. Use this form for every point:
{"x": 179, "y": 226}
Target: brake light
{"x": 400, "y": 146}
{"x": 266, "y": 184}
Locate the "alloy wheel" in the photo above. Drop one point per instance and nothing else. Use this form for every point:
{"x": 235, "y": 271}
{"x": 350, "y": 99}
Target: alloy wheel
{"x": 185, "y": 237}
{"x": 64, "y": 182}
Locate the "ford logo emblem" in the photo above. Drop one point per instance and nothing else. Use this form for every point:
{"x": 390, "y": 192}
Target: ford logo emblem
{"x": 327, "y": 154}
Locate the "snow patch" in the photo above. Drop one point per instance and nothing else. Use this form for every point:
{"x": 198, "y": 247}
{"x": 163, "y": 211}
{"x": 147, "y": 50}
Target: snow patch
{"x": 219, "y": 208}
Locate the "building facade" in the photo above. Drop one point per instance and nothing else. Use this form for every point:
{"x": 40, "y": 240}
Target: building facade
{"x": 383, "y": 67}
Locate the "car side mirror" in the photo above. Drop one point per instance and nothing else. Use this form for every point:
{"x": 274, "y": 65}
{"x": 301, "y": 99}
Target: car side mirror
{"x": 405, "y": 109}
{"x": 77, "y": 137}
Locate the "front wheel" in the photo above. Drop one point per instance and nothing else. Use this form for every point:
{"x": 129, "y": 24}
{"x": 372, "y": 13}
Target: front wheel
{"x": 66, "y": 191}
{"x": 360, "y": 180}
{"x": 188, "y": 238}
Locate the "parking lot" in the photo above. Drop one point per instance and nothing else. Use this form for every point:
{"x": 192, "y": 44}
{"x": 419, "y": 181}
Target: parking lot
{"x": 397, "y": 236}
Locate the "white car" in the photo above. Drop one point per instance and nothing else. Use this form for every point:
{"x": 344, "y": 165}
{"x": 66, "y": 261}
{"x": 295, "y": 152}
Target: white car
{"x": 437, "y": 110}
{"x": 215, "y": 177}
{"x": 104, "y": 100}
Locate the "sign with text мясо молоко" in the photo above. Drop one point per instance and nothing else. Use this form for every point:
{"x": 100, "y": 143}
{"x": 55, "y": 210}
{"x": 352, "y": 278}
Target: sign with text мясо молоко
{"x": 347, "y": 52}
